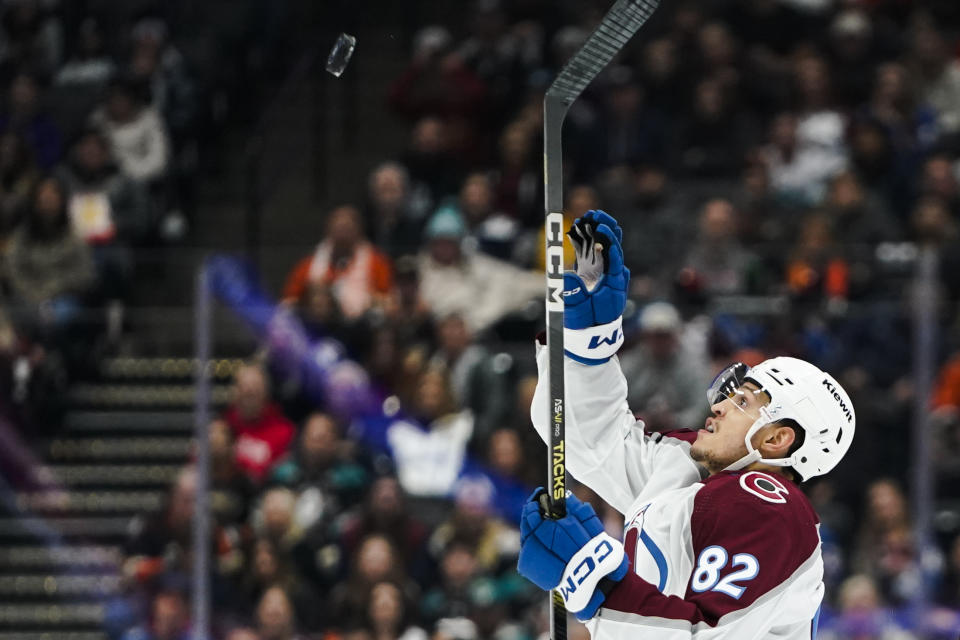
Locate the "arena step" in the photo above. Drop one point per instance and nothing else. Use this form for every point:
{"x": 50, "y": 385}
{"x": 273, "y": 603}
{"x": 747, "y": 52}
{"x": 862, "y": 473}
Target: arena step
{"x": 114, "y": 475}
{"x": 128, "y": 369}
{"x": 92, "y": 502}
{"x": 110, "y": 449}
{"x": 33, "y": 557}
{"x": 51, "y": 615}
{"x": 35, "y": 528}
{"x": 53, "y": 635}
{"x": 125, "y": 396}
{"x": 59, "y": 586}
{"x": 129, "y": 421}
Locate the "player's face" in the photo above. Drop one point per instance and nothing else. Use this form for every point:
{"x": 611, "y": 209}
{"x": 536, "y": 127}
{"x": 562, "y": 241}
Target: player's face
{"x": 721, "y": 442}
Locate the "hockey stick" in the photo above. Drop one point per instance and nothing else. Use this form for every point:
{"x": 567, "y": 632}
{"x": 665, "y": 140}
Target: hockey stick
{"x": 617, "y": 27}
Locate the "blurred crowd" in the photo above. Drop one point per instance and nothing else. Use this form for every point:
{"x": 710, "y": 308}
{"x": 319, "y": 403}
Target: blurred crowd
{"x": 99, "y": 144}
{"x": 779, "y": 166}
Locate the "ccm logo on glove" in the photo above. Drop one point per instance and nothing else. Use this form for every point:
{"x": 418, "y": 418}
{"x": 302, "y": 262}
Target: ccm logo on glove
{"x": 599, "y": 557}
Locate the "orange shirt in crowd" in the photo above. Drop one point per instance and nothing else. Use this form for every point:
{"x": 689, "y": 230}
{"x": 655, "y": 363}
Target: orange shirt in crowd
{"x": 946, "y": 391}
{"x": 380, "y": 275}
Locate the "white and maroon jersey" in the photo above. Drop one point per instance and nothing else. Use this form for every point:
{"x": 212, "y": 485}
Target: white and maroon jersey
{"x": 732, "y": 555}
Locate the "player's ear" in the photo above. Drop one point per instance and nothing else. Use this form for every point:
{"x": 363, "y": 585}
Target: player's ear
{"x": 779, "y": 440}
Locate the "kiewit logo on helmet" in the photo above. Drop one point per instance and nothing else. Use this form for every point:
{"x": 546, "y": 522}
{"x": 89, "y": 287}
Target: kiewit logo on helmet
{"x": 843, "y": 405}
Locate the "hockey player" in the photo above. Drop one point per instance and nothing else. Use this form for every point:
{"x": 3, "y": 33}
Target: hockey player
{"x": 719, "y": 540}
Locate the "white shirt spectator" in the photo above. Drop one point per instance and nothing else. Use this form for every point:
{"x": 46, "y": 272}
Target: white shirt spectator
{"x": 140, "y": 146}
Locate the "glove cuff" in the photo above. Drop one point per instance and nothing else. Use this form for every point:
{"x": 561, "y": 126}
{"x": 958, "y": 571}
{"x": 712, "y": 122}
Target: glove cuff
{"x": 601, "y": 556}
{"x": 594, "y": 345}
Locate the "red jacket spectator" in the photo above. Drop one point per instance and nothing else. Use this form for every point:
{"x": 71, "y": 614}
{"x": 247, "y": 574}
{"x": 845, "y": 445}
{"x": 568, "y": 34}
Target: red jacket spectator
{"x": 262, "y": 434}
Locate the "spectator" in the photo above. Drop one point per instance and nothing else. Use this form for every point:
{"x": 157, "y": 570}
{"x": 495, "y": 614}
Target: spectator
{"x": 90, "y": 67}
{"x": 276, "y": 520}
{"x": 497, "y": 233}
{"x": 946, "y": 393}
{"x": 80, "y": 83}
{"x": 852, "y": 53}
{"x": 452, "y": 597}
{"x": 766, "y": 225}
{"x": 32, "y": 35}
{"x": 937, "y": 73}
{"x": 479, "y": 380}
{"x": 719, "y": 55}
{"x": 494, "y": 544}
{"x": 434, "y": 172}
{"x": 232, "y": 490}
{"x": 664, "y": 373}
{"x": 872, "y": 158}
{"x": 650, "y": 248}
{"x": 885, "y": 512}
{"x": 156, "y": 63}
{"x": 713, "y": 143}
{"x": 429, "y": 460}
{"x": 518, "y": 186}
{"x": 105, "y": 204}
{"x": 386, "y": 512}
{"x": 137, "y": 135}
{"x": 933, "y": 226}
{"x": 436, "y": 80}
{"x": 456, "y": 280}
{"x": 407, "y": 313}
{"x": 910, "y": 123}
{"x": 169, "y": 619}
{"x": 627, "y": 131}
{"x": 324, "y": 471}
{"x": 390, "y": 615}
{"x": 275, "y": 616}
{"x": 271, "y": 568}
{"x": 506, "y": 456}
{"x": 160, "y": 546}
{"x": 799, "y": 167}
{"x": 51, "y": 270}
{"x": 18, "y": 175}
{"x": 948, "y": 593}
{"x": 263, "y": 434}
{"x": 108, "y": 210}
{"x": 862, "y": 614}
{"x": 717, "y": 263}
{"x": 375, "y": 561}
{"x": 816, "y": 269}
{"x": 940, "y": 180}
{"x": 394, "y": 218}
{"x": 358, "y": 273}
{"x": 23, "y": 115}
{"x": 863, "y": 221}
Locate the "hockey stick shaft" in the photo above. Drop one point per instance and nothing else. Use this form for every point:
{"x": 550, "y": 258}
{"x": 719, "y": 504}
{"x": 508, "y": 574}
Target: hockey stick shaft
{"x": 614, "y": 31}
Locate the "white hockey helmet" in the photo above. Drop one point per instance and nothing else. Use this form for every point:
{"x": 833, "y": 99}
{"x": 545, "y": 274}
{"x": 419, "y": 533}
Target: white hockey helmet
{"x": 797, "y": 391}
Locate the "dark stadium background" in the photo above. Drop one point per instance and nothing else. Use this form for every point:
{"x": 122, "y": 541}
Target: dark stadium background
{"x": 787, "y": 173}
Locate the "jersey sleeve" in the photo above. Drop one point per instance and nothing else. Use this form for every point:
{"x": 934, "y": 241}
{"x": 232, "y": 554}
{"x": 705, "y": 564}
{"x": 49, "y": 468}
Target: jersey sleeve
{"x": 756, "y": 566}
{"x": 606, "y": 448}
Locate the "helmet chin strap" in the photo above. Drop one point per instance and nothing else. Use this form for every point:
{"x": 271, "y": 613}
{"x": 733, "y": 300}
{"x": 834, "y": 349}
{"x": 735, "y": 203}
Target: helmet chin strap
{"x": 754, "y": 455}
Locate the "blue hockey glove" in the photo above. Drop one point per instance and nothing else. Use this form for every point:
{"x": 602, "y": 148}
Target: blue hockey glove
{"x": 595, "y": 295}
{"x": 572, "y": 554}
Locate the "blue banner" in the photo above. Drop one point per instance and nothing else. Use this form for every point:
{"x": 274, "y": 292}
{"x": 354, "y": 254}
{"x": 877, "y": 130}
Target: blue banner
{"x": 330, "y": 377}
